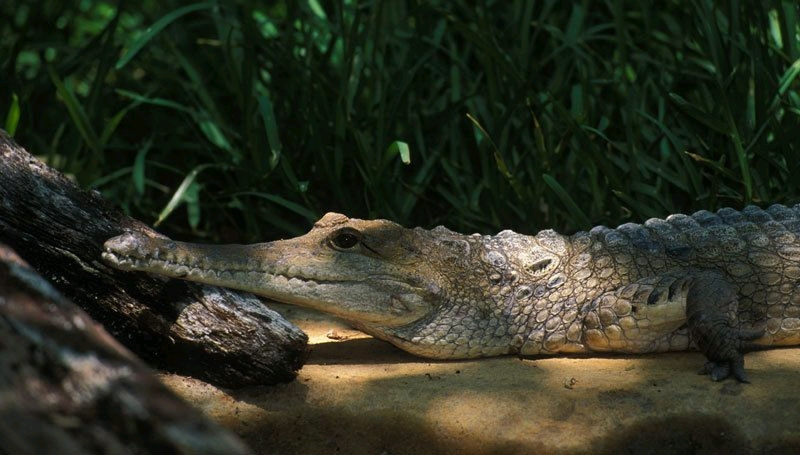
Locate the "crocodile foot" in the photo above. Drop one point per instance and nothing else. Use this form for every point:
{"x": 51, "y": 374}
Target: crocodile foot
{"x": 711, "y": 306}
{"x": 733, "y": 363}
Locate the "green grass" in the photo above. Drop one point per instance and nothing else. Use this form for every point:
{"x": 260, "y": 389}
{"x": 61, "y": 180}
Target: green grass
{"x": 233, "y": 121}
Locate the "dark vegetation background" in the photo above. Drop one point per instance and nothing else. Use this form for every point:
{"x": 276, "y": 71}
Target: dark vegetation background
{"x": 245, "y": 121}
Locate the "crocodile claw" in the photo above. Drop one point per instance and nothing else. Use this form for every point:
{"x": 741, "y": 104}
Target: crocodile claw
{"x": 723, "y": 370}
{"x": 732, "y": 363}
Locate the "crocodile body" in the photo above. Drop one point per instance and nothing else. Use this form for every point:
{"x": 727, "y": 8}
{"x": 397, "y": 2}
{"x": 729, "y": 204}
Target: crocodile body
{"x": 721, "y": 282}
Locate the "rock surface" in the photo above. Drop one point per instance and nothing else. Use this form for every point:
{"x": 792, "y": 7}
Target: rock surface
{"x": 360, "y": 395}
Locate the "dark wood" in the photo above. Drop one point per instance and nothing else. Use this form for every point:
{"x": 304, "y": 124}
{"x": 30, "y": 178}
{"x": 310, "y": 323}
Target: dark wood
{"x": 226, "y": 338}
{"x": 68, "y": 387}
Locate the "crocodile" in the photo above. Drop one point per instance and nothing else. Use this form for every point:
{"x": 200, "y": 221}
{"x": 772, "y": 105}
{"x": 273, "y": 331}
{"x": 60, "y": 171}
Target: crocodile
{"x": 722, "y": 283}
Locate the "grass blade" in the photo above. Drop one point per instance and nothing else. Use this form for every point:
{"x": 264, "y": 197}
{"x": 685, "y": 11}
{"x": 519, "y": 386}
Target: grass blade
{"x": 113, "y": 123}
{"x": 700, "y": 115}
{"x": 271, "y": 127}
{"x": 156, "y": 28}
{"x": 285, "y": 203}
{"x": 572, "y": 207}
{"x": 154, "y": 101}
{"x": 138, "y": 171}
{"x": 181, "y": 194}
{"x": 12, "y": 118}
{"x": 76, "y": 112}
{"x": 400, "y": 148}
{"x": 498, "y": 158}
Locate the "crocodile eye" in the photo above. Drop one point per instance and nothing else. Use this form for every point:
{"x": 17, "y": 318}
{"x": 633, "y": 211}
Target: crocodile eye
{"x": 345, "y": 239}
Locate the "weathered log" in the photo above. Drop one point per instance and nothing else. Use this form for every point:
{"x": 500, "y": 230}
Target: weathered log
{"x": 226, "y": 338}
{"x": 67, "y": 387}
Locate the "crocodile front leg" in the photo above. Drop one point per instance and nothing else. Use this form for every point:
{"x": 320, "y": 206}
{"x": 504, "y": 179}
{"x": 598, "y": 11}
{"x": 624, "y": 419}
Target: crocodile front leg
{"x": 711, "y": 314}
{"x": 648, "y": 315}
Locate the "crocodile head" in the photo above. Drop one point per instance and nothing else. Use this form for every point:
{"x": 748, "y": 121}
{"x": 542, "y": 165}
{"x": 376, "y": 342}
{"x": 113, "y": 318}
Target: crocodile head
{"x": 375, "y": 274}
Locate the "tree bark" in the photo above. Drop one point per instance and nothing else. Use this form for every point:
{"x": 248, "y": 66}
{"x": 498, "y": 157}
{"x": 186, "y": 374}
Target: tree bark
{"x": 67, "y": 387}
{"x": 226, "y": 338}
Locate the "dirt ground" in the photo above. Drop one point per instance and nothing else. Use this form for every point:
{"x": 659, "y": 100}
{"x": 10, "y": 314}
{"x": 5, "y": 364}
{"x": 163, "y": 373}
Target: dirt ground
{"x": 358, "y": 395}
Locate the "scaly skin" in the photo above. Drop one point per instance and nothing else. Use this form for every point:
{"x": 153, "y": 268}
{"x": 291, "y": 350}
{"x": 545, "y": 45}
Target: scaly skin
{"x": 712, "y": 281}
